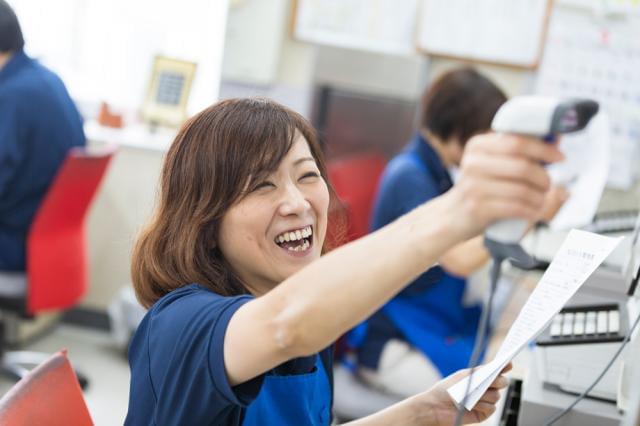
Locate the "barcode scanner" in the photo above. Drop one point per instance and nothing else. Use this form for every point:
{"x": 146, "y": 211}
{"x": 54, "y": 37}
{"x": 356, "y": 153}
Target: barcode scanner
{"x": 544, "y": 118}
{"x": 540, "y": 117}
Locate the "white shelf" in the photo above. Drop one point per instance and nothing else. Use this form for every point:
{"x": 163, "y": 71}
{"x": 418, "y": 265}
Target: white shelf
{"x": 137, "y": 136}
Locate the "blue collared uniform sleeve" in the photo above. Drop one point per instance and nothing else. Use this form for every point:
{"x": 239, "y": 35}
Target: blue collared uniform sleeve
{"x": 177, "y": 362}
{"x": 403, "y": 187}
{"x": 11, "y": 152}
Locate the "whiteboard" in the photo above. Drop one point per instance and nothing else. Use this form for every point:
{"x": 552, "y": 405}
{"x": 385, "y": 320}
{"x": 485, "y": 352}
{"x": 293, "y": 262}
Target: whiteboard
{"x": 383, "y": 26}
{"x": 505, "y": 32}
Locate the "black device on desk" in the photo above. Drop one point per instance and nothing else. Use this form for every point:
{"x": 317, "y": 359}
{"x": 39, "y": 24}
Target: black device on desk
{"x": 582, "y": 341}
{"x": 578, "y": 343}
{"x": 585, "y": 324}
{"x": 613, "y": 222}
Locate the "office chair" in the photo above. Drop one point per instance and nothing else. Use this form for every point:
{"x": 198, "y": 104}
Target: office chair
{"x": 355, "y": 180}
{"x": 50, "y": 394}
{"x": 56, "y": 276}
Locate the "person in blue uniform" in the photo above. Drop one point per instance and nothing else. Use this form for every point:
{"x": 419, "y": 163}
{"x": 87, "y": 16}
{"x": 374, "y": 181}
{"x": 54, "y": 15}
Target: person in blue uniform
{"x": 245, "y": 299}
{"x": 426, "y": 332}
{"x": 39, "y": 123}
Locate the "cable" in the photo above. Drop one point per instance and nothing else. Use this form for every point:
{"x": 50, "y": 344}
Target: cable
{"x": 482, "y": 334}
{"x": 559, "y": 415}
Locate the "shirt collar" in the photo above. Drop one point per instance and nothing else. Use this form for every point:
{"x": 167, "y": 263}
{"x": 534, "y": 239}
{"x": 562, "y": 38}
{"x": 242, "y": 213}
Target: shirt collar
{"x": 432, "y": 162}
{"x": 18, "y": 60}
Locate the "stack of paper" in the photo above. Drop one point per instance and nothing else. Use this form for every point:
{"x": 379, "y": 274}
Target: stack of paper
{"x": 577, "y": 259}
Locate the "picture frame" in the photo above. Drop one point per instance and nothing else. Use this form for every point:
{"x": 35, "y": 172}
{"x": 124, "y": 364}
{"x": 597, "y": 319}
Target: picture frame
{"x": 168, "y": 92}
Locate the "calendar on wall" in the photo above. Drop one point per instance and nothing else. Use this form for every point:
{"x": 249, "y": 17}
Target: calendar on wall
{"x": 597, "y": 56}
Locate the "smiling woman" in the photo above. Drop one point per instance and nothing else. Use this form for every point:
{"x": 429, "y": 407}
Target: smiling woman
{"x": 268, "y": 235}
{"x": 235, "y": 158}
{"x": 243, "y": 305}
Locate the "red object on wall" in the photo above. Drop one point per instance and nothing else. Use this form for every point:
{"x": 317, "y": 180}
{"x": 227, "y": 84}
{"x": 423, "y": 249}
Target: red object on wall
{"x": 56, "y": 244}
{"x": 355, "y": 180}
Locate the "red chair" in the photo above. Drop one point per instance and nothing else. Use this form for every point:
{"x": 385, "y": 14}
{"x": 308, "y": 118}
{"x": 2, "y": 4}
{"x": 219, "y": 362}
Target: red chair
{"x": 355, "y": 180}
{"x": 49, "y": 394}
{"x": 56, "y": 276}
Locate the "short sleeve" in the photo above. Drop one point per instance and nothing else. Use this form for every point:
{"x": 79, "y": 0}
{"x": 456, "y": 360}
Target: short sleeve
{"x": 244, "y": 393}
{"x": 177, "y": 362}
{"x": 403, "y": 187}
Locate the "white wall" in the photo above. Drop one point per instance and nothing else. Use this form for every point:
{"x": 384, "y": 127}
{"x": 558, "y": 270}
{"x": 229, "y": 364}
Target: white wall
{"x": 104, "y": 50}
{"x": 129, "y": 190}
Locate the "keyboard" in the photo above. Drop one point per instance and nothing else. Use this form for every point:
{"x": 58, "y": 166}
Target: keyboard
{"x": 584, "y": 324}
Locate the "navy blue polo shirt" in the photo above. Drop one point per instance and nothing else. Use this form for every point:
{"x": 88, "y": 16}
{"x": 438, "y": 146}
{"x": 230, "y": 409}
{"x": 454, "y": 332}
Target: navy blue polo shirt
{"x": 39, "y": 123}
{"x": 412, "y": 178}
{"x": 177, "y": 363}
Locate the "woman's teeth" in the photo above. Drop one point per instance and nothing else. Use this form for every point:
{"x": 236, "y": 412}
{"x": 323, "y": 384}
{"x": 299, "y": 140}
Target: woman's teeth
{"x": 298, "y": 240}
{"x": 294, "y": 235}
{"x": 303, "y": 247}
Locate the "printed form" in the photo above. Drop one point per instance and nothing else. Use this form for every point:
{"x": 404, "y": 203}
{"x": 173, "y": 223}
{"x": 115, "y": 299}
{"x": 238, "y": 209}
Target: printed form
{"x": 579, "y": 256}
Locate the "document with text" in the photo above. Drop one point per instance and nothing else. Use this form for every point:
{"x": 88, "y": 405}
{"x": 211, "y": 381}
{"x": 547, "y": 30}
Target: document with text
{"x": 579, "y": 256}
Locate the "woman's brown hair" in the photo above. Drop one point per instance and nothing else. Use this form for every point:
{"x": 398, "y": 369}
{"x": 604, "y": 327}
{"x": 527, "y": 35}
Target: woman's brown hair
{"x": 216, "y": 155}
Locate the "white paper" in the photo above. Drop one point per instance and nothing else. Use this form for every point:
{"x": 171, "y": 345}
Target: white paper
{"x": 584, "y": 183}
{"x": 579, "y": 256}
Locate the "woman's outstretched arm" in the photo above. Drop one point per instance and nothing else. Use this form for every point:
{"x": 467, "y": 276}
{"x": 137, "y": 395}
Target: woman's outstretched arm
{"x": 501, "y": 177}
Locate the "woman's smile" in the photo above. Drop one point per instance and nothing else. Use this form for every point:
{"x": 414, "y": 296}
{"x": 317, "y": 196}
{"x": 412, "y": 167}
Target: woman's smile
{"x": 296, "y": 241}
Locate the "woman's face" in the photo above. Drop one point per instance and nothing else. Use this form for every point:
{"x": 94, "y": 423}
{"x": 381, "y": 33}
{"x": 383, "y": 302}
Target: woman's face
{"x": 278, "y": 227}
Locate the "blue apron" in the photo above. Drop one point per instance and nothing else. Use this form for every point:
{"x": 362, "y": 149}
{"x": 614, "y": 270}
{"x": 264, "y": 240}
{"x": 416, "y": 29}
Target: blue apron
{"x": 433, "y": 319}
{"x": 437, "y": 324}
{"x": 296, "y": 400}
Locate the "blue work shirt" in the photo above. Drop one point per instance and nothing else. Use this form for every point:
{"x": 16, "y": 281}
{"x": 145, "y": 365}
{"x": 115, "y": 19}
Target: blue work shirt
{"x": 428, "y": 313}
{"x": 39, "y": 123}
{"x": 178, "y": 375}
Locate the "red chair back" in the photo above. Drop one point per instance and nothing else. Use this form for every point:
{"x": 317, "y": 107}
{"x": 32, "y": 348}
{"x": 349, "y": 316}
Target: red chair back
{"x": 49, "y": 395}
{"x": 355, "y": 180}
{"x": 56, "y": 253}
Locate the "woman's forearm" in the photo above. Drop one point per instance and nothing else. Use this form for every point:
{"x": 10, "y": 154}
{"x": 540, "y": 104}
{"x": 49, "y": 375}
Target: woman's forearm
{"x": 344, "y": 287}
{"x": 465, "y": 258}
{"x": 311, "y": 309}
{"x": 501, "y": 177}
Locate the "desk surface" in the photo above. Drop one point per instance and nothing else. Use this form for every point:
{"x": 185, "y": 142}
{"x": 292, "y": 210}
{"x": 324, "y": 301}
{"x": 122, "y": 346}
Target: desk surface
{"x": 137, "y": 136}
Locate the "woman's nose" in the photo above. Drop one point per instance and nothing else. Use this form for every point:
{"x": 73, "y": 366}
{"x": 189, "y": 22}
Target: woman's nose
{"x": 293, "y": 202}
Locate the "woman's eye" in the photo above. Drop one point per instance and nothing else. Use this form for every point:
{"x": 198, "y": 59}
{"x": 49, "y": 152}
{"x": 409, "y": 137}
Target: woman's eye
{"x": 310, "y": 175}
{"x": 265, "y": 184}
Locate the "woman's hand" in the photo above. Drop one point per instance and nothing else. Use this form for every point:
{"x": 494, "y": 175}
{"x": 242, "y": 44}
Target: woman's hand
{"x": 501, "y": 176}
{"x": 443, "y": 411}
